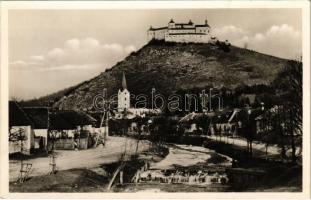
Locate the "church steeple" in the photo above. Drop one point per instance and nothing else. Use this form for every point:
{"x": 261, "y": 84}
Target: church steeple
{"x": 124, "y": 86}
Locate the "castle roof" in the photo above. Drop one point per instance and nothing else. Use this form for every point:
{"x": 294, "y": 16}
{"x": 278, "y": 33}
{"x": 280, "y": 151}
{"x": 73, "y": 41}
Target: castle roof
{"x": 182, "y": 28}
{"x": 172, "y": 21}
{"x": 202, "y": 25}
{"x": 187, "y": 34}
{"x": 161, "y": 28}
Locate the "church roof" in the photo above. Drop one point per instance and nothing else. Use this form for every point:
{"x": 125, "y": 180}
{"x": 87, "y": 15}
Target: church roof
{"x": 124, "y": 86}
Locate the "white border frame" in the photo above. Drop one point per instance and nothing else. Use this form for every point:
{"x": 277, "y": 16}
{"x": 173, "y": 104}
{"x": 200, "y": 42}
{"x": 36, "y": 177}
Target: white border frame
{"x": 5, "y": 6}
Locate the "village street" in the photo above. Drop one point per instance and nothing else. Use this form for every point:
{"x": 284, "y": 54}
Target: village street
{"x": 241, "y": 142}
{"x": 91, "y": 158}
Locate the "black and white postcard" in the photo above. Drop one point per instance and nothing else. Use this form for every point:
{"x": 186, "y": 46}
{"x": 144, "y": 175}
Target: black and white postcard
{"x": 169, "y": 99}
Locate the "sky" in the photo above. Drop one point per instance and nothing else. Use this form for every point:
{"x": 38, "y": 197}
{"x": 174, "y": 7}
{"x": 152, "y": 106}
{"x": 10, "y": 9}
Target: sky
{"x": 50, "y": 50}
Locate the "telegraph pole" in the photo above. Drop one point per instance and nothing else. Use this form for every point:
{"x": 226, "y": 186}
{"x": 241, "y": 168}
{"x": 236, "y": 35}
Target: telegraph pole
{"x": 51, "y": 136}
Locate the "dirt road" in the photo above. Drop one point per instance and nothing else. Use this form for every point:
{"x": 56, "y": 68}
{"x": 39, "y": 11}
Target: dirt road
{"x": 90, "y": 158}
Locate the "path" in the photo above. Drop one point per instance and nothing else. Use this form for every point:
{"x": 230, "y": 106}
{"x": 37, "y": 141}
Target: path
{"x": 90, "y": 158}
{"x": 272, "y": 149}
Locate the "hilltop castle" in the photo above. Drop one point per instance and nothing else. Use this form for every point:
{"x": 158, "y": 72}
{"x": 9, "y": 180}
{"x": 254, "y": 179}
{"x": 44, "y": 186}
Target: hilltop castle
{"x": 181, "y": 32}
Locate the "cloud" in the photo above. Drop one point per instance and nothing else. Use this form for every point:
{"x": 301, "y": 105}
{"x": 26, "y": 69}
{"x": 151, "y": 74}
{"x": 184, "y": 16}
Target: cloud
{"x": 71, "y": 67}
{"x": 37, "y": 58}
{"x": 278, "y": 40}
{"x": 18, "y": 63}
{"x": 56, "y": 53}
{"x": 77, "y": 54}
{"x": 73, "y": 44}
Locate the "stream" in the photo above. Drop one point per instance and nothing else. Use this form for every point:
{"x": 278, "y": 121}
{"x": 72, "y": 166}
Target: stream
{"x": 185, "y": 168}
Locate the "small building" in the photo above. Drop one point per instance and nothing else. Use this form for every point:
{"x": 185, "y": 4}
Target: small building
{"x": 189, "y": 123}
{"x": 21, "y": 134}
{"x": 100, "y": 126}
{"x": 225, "y": 122}
{"x": 71, "y": 129}
{"x": 39, "y": 118}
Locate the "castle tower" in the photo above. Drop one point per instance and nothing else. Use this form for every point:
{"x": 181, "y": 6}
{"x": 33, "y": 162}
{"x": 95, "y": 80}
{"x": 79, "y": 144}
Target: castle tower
{"x": 171, "y": 24}
{"x": 123, "y": 96}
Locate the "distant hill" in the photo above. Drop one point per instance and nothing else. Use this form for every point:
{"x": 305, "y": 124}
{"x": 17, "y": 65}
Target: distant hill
{"x": 173, "y": 66}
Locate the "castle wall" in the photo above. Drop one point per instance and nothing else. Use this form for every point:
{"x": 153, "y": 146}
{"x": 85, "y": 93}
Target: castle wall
{"x": 173, "y": 31}
{"x": 202, "y": 30}
{"x": 156, "y": 34}
{"x": 159, "y": 34}
{"x": 188, "y": 38}
{"x": 150, "y": 35}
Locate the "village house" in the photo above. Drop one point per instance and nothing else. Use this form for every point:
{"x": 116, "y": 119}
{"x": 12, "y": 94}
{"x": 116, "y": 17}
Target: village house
{"x": 100, "y": 126}
{"x": 189, "y": 123}
{"x": 71, "y": 129}
{"x": 37, "y": 128}
{"x": 21, "y": 134}
{"x": 39, "y": 118}
{"x": 225, "y": 122}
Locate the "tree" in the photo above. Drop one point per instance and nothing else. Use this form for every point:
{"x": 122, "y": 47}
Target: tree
{"x": 288, "y": 85}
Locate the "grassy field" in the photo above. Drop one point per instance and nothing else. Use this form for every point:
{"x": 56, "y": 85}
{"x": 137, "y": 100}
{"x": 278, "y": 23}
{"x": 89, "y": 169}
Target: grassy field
{"x": 72, "y": 180}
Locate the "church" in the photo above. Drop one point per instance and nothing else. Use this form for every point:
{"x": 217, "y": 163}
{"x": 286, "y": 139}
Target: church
{"x": 123, "y": 96}
{"x": 124, "y": 105}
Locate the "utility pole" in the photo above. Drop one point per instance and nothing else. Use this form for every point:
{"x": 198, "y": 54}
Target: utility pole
{"x": 22, "y": 158}
{"x": 52, "y": 137}
{"x": 210, "y": 99}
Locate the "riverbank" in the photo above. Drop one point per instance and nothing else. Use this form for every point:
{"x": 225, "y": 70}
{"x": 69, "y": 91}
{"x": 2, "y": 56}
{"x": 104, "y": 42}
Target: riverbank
{"x": 186, "y": 168}
{"x": 278, "y": 176}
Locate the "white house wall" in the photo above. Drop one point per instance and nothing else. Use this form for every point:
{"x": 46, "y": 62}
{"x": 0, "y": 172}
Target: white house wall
{"x": 28, "y": 143}
{"x": 42, "y": 133}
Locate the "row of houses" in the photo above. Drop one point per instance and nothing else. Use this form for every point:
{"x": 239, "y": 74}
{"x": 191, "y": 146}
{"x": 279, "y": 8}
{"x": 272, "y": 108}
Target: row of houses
{"x": 229, "y": 122}
{"x": 37, "y": 128}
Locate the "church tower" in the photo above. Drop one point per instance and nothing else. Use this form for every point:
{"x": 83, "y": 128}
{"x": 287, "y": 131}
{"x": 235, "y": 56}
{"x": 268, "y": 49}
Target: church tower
{"x": 123, "y": 96}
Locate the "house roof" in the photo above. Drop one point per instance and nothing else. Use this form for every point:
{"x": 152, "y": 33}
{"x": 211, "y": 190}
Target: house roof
{"x": 17, "y": 117}
{"x": 194, "y": 117}
{"x": 38, "y": 115}
{"x": 223, "y": 117}
{"x": 67, "y": 120}
{"x": 98, "y": 117}
{"x": 252, "y": 113}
